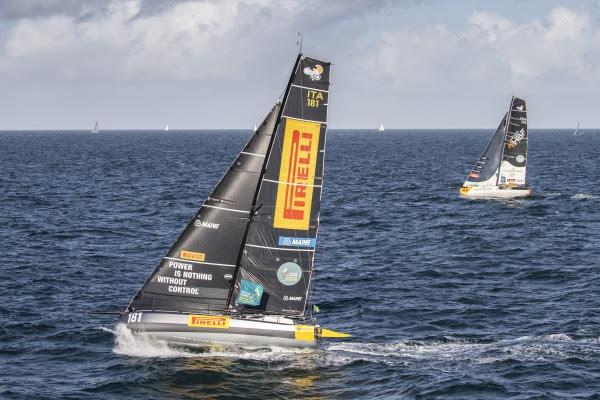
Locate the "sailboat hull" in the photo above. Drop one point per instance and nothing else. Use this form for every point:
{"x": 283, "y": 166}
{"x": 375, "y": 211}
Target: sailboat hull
{"x": 495, "y": 192}
{"x": 204, "y": 330}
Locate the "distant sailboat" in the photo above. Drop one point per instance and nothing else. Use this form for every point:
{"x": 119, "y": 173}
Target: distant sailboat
{"x": 241, "y": 270}
{"x": 381, "y": 128}
{"x": 577, "y": 132}
{"x": 500, "y": 171}
{"x": 255, "y": 128}
{"x": 95, "y": 130}
{"x": 167, "y": 128}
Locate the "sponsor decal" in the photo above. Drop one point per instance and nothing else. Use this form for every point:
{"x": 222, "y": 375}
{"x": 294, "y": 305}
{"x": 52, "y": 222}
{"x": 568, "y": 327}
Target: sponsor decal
{"x": 208, "y": 321}
{"x": 289, "y": 273}
{"x": 250, "y": 293}
{"x": 297, "y": 242}
{"x": 520, "y": 107}
{"x": 314, "y": 73}
{"x": 515, "y": 139}
{"x": 292, "y": 298}
{"x": 204, "y": 224}
{"x": 474, "y": 174}
{"x": 520, "y": 158}
{"x": 314, "y": 98}
{"x": 297, "y": 174}
{"x": 192, "y": 255}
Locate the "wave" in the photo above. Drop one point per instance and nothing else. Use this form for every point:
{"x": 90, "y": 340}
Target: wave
{"x": 584, "y": 196}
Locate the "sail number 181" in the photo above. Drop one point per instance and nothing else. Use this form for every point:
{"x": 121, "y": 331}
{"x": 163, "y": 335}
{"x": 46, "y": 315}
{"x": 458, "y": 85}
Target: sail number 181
{"x": 134, "y": 317}
{"x": 313, "y": 98}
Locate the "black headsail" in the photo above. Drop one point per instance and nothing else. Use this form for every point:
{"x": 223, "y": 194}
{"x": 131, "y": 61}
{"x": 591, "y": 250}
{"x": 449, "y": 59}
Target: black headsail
{"x": 197, "y": 272}
{"x": 276, "y": 262}
{"x": 514, "y": 156}
{"x": 486, "y": 169}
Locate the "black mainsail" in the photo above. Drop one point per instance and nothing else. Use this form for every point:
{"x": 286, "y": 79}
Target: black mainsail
{"x": 250, "y": 247}
{"x": 276, "y": 264}
{"x": 514, "y": 156}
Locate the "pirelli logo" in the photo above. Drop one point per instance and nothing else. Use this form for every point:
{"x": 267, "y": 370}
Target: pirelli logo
{"x": 192, "y": 255}
{"x": 208, "y": 321}
{"x": 297, "y": 174}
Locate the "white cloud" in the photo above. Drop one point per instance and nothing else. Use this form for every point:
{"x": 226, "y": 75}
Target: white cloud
{"x": 232, "y": 50}
{"x": 491, "y": 46}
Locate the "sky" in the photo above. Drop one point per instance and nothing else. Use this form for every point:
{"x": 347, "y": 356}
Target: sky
{"x": 409, "y": 64}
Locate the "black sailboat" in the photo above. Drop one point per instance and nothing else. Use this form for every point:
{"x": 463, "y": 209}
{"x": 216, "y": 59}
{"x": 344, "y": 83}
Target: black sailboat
{"x": 501, "y": 169}
{"x": 241, "y": 270}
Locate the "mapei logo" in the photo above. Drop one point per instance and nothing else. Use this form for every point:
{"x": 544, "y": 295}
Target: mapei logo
{"x": 208, "y": 321}
{"x": 292, "y": 298}
{"x": 203, "y": 224}
{"x": 297, "y": 242}
{"x": 314, "y": 73}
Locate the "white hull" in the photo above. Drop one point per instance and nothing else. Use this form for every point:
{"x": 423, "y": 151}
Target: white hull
{"x": 204, "y": 330}
{"x": 494, "y": 192}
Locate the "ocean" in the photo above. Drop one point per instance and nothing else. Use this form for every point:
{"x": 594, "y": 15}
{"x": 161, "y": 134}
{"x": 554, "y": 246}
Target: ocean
{"x": 445, "y": 298}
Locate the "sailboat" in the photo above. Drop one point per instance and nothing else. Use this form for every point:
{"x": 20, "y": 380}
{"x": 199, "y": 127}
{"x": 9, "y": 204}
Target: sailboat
{"x": 381, "y": 128}
{"x": 500, "y": 171}
{"x": 95, "y": 130}
{"x": 255, "y": 128}
{"x": 576, "y": 132}
{"x": 167, "y": 128}
{"x": 241, "y": 270}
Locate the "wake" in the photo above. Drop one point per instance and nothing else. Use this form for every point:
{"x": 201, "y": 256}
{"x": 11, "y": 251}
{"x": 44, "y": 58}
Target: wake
{"x": 447, "y": 350}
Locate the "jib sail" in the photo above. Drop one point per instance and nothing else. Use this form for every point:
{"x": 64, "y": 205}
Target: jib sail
{"x": 276, "y": 261}
{"x": 197, "y": 272}
{"x": 485, "y": 172}
{"x": 514, "y": 156}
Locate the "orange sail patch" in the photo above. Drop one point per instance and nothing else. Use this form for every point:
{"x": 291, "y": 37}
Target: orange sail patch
{"x": 297, "y": 174}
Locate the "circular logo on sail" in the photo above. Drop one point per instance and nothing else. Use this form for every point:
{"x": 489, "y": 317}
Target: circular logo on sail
{"x": 520, "y": 158}
{"x": 289, "y": 273}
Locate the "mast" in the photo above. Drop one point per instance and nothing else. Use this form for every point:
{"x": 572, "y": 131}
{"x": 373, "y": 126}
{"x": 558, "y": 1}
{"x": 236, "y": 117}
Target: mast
{"x": 262, "y": 173}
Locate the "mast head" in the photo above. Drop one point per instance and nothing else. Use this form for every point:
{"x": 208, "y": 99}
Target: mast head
{"x": 299, "y": 41}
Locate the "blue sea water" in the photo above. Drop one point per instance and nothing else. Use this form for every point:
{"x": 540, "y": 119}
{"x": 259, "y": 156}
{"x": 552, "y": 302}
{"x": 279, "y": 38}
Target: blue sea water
{"x": 446, "y": 298}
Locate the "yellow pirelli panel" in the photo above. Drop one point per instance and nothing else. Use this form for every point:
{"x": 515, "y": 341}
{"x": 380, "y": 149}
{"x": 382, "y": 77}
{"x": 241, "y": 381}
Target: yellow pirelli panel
{"x": 208, "y": 321}
{"x": 192, "y": 255}
{"x": 305, "y": 332}
{"x": 297, "y": 174}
